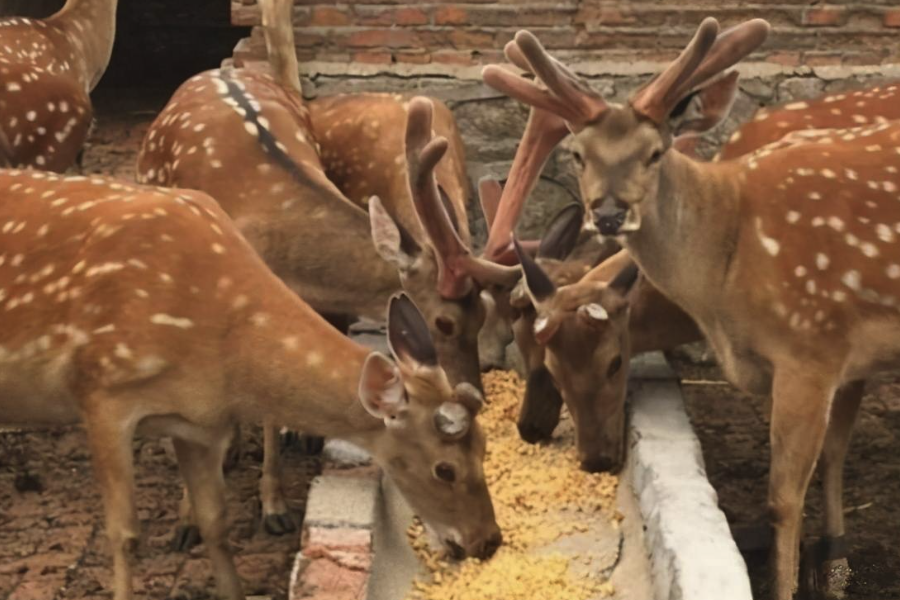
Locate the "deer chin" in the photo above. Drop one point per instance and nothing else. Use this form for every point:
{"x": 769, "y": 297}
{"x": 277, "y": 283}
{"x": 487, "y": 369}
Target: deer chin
{"x": 447, "y": 538}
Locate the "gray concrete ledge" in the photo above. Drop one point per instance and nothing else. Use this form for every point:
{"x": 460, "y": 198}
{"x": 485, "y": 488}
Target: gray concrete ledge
{"x": 692, "y": 553}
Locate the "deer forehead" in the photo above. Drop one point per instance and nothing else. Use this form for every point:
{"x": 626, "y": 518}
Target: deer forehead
{"x": 620, "y": 135}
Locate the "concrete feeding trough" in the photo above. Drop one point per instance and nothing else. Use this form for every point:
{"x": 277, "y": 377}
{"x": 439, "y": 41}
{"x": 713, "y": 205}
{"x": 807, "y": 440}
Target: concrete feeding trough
{"x": 672, "y": 541}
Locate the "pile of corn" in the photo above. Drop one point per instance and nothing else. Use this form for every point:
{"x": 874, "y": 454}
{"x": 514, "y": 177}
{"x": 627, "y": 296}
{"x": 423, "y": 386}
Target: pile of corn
{"x": 540, "y": 495}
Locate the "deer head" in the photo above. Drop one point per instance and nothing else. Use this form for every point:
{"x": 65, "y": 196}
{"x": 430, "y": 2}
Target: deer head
{"x": 431, "y": 444}
{"x": 583, "y": 331}
{"x": 618, "y": 150}
{"x": 442, "y": 276}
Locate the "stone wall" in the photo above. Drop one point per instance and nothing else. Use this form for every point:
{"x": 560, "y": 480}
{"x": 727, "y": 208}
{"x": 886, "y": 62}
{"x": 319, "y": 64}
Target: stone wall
{"x": 491, "y": 124}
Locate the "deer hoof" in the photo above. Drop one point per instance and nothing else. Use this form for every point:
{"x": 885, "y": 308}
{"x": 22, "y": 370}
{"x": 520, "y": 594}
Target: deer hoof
{"x": 824, "y": 570}
{"x": 186, "y": 537}
{"x": 279, "y": 524}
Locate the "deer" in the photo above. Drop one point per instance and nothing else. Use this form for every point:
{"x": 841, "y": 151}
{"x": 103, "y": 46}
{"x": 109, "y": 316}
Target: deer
{"x": 783, "y": 258}
{"x": 246, "y": 138}
{"x": 151, "y": 314}
{"x": 48, "y": 67}
{"x": 655, "y": 323}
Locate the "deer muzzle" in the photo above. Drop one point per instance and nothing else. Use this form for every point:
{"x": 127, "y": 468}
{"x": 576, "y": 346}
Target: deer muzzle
{"x": 610, "y": 215}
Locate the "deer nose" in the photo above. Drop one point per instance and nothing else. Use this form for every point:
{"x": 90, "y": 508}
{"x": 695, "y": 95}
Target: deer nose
{"x": 609, "y": 214}
{"x": 489, "y": 546}
{"x": 532, "y": 433}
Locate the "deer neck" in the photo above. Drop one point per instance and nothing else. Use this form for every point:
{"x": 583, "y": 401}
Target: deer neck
{"x": 292, "y": 366}
{"x": 655, "y": 323}
{"x": 90, "y": 25}
{"x": 687, "y": 235}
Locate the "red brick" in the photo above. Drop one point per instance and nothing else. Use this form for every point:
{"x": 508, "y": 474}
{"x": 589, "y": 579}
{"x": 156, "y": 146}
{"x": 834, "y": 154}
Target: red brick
{"x": 470, "y": 40}
{"x": 824, "y": 16}
{"x": 454, "y": 57}
{"x": 418, "y": 58}
{"x": 399, "y": 16}
{"x": 892, "y": 18}
{"x": 328, "y": 16}
{"x": 822, "y": 59}
{"x": 451, "y": 15}
{"x": 390, "y": 38}
{"x": 337, "y": 538}
{"x": 373, "y": 58}
{"x": 788, "y": 59}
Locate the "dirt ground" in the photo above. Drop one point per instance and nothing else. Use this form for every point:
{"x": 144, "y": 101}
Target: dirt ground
{"x": 52, "y": 542}
{"x": 733, "y": 429}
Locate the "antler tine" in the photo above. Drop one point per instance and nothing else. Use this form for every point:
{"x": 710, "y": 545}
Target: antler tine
{"x": 422, "y": 155}
{"x": 561, "y": 81}
{"x": 543, "y": 132}
{"x": 489, "y": 192}
{"x": 514, "y": 55}
{"x": 731, "y": 46}
{"x": 539, "y": 285}
{"x": 524, "y": 91}
{"x": 657, "y": 99}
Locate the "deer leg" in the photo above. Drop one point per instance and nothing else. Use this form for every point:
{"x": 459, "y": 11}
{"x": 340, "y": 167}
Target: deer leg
{"x": 276, "y": 519}
{"x": 828, "y": 570}
{"x": 187, "y": 534}
{"x": 111, "y": 454}
{"x": 799, "y": 420}
{"x": 201, "y": 467}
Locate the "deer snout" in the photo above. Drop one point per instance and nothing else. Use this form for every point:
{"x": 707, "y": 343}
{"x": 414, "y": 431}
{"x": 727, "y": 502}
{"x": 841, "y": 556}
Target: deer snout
{"x": 487, "y": 546}
{"x": 609, "y": 214}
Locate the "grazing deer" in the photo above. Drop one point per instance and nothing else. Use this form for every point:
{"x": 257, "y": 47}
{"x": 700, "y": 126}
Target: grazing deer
{"x": 151, "y": 314}
{"x": 48, "y": 68}
{"x": 786, "y": 259}
{"x": 246, "y": 139}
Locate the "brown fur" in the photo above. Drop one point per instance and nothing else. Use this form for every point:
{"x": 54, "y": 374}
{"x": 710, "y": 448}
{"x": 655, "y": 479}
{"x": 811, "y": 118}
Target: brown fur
{"x": 47, "y": 69}
{"x": 134, "y": 309}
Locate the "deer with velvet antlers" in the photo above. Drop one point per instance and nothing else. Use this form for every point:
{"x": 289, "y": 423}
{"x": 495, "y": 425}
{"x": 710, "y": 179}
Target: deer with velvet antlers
{"x": 151, "y": 314}
{"x": 48, "y": 68}
{"x": 787, "y": 259}
{"x": 250, "y": 140}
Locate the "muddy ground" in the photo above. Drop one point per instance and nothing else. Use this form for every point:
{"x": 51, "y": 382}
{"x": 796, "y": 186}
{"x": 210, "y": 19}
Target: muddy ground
{"x": 52, "y": 542}
{"x": 733, "y": 429}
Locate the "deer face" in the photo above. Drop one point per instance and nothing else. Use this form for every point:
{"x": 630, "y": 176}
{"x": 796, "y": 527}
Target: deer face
{"x": 618, "y": 162}
{"x": 587, "y": 356}
{"x": 431, "y": 444}
{"x": 582, "y": 331}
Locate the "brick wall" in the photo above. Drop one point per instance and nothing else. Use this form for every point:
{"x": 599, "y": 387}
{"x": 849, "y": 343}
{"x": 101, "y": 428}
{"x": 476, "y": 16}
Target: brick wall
{"x": 391, "y": 32}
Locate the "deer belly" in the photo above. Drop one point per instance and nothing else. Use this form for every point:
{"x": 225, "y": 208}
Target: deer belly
{"x": 34, "y": 390}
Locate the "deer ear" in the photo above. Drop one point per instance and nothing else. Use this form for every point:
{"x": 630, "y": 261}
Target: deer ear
{"x": 392, "y": 242}
{"x": 381, "y": 388}
{"x": 408, "y": 335}
{"x": 562, "y": 234}
{"x": 704, "y": 109}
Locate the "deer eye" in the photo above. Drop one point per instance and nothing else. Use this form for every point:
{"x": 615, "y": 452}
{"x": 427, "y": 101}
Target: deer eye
{"x": 579, "y": 160}
{"x": 444, "y": 325}
{"x": 445, "y": 472}
{"x": 654, "y": 158}
{"x": 614, "y": 366}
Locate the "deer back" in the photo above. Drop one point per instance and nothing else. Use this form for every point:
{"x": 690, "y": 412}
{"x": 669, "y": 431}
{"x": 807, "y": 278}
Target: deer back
{"x": 362, "y": 148}
{"x": 850, "y": 108}
{"x": 245, "y": 140}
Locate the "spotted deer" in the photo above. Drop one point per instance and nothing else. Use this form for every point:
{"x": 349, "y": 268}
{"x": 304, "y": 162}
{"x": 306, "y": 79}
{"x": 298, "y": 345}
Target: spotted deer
{"x": 786, "y": 259}
{"x": 247, "y": 139}
{"x": 655, "y": 323}
{"x": 151, "y": 314}
{"x": 48, "y": 68}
